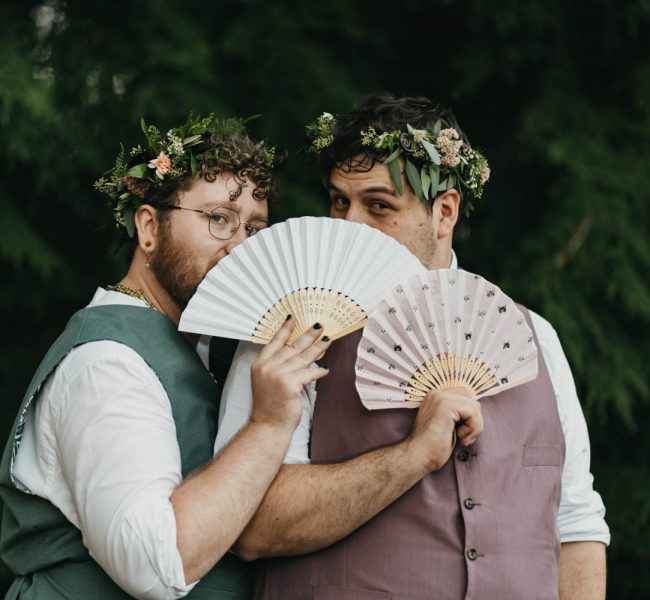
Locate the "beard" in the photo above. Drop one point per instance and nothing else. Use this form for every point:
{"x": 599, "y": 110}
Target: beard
{"x": 176, "y": 270}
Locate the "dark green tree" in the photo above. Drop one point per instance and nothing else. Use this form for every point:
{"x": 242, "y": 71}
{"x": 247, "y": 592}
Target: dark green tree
{"x": 556, "y": 94}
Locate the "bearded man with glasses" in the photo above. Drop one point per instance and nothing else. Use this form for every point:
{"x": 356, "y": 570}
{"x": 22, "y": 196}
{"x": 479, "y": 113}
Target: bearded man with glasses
{"x": 109, "y": 485}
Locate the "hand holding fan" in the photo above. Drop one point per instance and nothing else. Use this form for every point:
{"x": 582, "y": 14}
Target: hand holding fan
{"x": 321, "y": 270}
{"x": 443, "y": 329}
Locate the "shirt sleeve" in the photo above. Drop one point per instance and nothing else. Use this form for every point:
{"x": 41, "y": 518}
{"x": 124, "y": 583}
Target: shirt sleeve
{"x": 581, "y": 513}
{"x": 120, "y": 461}
{"x": 237, "y": 403}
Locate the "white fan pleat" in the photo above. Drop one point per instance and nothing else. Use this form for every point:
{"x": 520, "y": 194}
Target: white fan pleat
{"x": 284, "y": 268}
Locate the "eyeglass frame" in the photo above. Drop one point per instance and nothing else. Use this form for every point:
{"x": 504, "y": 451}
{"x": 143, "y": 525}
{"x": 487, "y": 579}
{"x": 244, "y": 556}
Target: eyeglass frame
{"x": 247, "y": 226}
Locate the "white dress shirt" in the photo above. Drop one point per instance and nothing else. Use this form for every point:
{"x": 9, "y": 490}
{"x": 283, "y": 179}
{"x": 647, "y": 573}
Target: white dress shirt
{"x": 581, "y": 512}
{"x": 100, "y": 444}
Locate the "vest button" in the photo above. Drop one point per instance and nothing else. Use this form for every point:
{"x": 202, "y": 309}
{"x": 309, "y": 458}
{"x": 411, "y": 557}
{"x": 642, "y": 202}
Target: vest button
{"x": 472, "y": 554}
{"x": 469, "y": 503}
{"x": 463, "y": 455}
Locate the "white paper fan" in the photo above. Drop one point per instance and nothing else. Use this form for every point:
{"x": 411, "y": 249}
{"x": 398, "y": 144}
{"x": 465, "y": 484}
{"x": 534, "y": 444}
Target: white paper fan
{"x": 442, "y": 329}
{"x": 317, "y": 269}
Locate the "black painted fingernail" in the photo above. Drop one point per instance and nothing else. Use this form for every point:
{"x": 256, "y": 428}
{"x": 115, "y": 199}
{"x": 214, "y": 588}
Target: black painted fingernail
{"x": 326, "y": 338}
{"x": 324, "y": 367}
{"x": 288, "y": 317}
{"x": 317, "y": 326}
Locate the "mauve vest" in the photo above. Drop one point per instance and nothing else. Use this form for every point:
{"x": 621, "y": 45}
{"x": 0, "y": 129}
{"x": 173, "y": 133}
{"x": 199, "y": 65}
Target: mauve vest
{"x": 482, "y": 527}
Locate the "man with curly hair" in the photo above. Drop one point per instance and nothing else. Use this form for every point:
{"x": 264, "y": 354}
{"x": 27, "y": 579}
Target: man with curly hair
{"x": 109, "y": 485}
{"x": 513, "y": 515}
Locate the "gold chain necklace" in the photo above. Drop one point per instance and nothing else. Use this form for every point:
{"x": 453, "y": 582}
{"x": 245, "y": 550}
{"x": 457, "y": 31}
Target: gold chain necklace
{"x": 139, "y": 294}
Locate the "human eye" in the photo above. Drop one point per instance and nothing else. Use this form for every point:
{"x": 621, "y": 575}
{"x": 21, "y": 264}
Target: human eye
{"x": 379, "y": 206}
{"x": 255, "y": 228}
{"x": 218, "y": 218}
{"x": 339, "y": 203}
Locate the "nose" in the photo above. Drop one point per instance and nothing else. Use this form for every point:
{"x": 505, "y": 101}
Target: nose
{"x": 354, "y": 214}
{"x": 235, "y": 240}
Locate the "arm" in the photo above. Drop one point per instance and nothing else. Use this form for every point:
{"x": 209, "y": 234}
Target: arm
{"x": 237, "y": 403}
{"x": 582, "y": 571}
{"x": 213, "y": 506}
{"x": 309, "y": 507}
{"x": 150, "y": 531}
{"x": 581, "y": 524}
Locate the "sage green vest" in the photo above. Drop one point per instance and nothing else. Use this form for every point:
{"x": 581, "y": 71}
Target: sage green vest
{"x": 42, "y": 548}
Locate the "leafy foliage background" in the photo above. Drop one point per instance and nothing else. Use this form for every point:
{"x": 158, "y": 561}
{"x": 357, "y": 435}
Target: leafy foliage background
{"x": 555, "y": 93}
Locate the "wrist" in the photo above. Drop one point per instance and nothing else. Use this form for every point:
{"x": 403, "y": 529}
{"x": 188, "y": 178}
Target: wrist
{"x": 276, "y": 429}
{"x": 420, "y": 457}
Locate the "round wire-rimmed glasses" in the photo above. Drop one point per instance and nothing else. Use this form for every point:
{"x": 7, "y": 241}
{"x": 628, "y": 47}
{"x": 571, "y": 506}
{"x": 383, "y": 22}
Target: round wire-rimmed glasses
{"x": 223, "y": 223}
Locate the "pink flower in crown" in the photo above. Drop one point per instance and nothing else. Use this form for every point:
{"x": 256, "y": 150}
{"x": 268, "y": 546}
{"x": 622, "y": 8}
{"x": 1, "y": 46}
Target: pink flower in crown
{"x": 484, "y": 174}
{"x": 162, "y": 164}
{"x": 449, "y": 143}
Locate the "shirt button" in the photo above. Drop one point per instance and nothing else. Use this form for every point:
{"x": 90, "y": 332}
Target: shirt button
{"x": 469, "y": 503}
{"x": 463, "y": 455}
{"x": 472, "y": 554}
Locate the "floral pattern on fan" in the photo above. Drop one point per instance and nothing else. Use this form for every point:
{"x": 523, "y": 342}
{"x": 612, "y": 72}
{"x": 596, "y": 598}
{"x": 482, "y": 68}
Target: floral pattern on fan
{"x": 442, "y": 329}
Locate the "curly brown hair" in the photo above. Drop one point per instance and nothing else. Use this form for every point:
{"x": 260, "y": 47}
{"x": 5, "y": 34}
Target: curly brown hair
{"x": 236, "y": 154}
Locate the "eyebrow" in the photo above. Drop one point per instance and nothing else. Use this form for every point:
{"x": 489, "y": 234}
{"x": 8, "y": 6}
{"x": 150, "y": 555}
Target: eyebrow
{"x": 211, "y": 205}
{"x": 377, "y": 189}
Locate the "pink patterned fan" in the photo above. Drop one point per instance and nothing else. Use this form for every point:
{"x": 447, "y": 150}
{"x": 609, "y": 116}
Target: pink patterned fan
{"x": 442, "y": 329}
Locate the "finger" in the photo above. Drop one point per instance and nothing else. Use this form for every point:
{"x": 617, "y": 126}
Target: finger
{"x": 307, "y": 339}
{"x": 280, "y": 338}
{"x": 306, "y": 376}
{"x": 283, "y": 358}
{"x": 298, "y": 362}
{"x": 472, "y": 421}
{"x": 317, "y": 348}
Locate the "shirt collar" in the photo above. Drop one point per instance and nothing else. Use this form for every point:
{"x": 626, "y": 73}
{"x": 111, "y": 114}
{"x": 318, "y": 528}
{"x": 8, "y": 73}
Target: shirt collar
{"x": 454, "y": 261}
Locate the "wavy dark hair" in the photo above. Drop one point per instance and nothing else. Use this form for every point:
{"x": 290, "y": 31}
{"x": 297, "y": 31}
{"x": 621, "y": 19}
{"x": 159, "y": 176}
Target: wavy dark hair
{"x": 384, "y": 112}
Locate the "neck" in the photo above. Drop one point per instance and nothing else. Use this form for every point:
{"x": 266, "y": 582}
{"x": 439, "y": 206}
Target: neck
{"x": 440, "y": 259}
{"x": 141, "y": 278}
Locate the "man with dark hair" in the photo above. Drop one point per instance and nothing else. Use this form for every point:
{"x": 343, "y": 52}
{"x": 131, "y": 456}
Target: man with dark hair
{"x": 109, "y": 485}
{"x": 512, "y": 516}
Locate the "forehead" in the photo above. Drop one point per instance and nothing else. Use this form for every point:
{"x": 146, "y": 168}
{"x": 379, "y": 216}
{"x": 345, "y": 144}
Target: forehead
{"x": 352, "y": 181}
{"x": 205, "y": 194}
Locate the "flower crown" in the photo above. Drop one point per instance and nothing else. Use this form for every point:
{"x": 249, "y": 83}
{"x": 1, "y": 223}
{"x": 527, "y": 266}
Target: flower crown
{"x": 435, "y": 159}
{"x": 165, "y": 158}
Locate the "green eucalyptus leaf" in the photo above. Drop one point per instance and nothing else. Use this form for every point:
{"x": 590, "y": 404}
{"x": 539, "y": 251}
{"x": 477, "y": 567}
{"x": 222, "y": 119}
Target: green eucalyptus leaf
{"x": 431, "y": 151}
{"x": 396, "y": 175}
{"x": 434, "y": 173}
{"x": 393, "y": 156}
{"x": 451, "y": 181}
{"x": 409, "y": 129}
{"x": 192, "y": 140}
{"x": 140, "y": 171}
{"x": 413, "y": 178}
{"x": 194, "y": 164}
{"x": 426, "y": 181}
{"x": 442, "y": 186}
{"x": 143, "y": 126}
{"x": 437, "y": 127}
{"x": 129, "y": 220}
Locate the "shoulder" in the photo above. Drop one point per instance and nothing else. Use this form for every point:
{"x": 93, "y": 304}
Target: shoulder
{"x": 101, "y": 355}
{"x": 545, "y": 331}
{"x": 103, "y": 374}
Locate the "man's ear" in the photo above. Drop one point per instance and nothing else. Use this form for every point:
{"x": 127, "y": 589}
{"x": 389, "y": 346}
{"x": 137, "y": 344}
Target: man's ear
{"x": 445, "y": 212}
{"x": 146, "y": 224}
